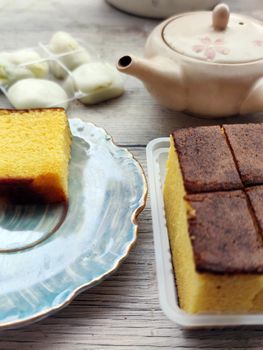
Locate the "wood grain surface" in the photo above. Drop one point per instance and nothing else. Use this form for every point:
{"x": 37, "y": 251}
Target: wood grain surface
{"x": 123, "y": 312}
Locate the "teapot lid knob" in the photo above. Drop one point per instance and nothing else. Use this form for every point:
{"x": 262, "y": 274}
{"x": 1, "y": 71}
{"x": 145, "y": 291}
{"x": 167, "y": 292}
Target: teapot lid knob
{"x": 220, "y": 17}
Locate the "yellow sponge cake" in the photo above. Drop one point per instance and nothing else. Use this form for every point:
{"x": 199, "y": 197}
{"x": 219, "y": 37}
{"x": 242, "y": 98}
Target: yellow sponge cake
{"x": 215, "y": 222}
{"x": 35, "y": 151}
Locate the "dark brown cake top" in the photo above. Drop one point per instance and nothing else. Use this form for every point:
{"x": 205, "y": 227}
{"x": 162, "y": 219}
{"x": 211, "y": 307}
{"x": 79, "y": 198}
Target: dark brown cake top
{"x": 246, "y": 141}
{"x": 223, "y": 233}
{"x": 206, "y": 160}
{"x": 255, "y": 195}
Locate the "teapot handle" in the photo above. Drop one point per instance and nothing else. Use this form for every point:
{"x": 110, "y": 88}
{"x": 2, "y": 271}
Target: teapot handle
{"x": 253, "y": 103}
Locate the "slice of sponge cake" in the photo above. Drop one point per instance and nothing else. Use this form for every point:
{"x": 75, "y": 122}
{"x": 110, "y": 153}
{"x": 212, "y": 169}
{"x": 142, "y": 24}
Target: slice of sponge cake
{"x": 35, "y": 151}
{"x": 215, "y": 222}
{"x": 246, "y": 141}
{"x": 205, "y": 159}
{"x": 224, "y": 236}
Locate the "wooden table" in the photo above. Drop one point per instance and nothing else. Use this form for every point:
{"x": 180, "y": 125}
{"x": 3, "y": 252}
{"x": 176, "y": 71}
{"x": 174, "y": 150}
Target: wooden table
{"x": 123, "y": 312}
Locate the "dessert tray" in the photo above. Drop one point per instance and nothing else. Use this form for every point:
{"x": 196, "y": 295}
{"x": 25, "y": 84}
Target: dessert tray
{"x": 50, "y": 253}
{"x": 54, "y": 62}
{"x": 157, "y": 153}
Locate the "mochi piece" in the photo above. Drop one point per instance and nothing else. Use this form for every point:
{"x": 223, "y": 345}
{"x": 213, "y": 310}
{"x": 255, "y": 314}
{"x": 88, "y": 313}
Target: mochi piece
{"x": 32, "y": 61}
{"x": 37, "y": 93}
{"x": 99, "y": 81}
{"x": 75, "y": 54}
{"x": 21, "y": 64}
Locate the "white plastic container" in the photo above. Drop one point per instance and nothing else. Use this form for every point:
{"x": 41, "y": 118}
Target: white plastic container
{"x": 157, "y": 153}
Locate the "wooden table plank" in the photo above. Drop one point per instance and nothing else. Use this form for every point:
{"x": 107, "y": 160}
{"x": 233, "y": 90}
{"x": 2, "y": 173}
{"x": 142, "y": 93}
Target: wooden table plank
{"x": 123, "y": 312}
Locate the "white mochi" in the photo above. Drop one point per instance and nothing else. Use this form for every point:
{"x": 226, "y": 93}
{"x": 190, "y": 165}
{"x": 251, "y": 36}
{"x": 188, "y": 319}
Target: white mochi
{"x": 99, "y": 81}
{"x": 64, "y": 43}
{"x": 38, "y": 67}
{"x": 37, "y": 93}
{"x": 21, "y": 64}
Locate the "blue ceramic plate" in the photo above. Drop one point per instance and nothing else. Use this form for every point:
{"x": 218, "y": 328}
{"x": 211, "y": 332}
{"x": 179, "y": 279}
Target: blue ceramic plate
{"x": 48, "y": 254}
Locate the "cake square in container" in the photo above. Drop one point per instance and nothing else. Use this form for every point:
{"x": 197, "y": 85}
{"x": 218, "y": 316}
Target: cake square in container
{"x": 223, "y": 233}
{"x": 246, "y": 142}
{"x": 205, "y": 159}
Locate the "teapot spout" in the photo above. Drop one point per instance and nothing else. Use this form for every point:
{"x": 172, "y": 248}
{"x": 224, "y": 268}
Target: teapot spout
{"x": 137, "y": 67}
{"x": 162, "y": 77}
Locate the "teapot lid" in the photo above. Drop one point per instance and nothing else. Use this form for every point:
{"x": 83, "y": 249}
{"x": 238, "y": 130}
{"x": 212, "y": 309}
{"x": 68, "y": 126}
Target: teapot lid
{"x": 216, "y": 36}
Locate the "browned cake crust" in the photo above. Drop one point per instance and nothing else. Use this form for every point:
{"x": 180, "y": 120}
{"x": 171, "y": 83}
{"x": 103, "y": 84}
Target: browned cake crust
{"x": 206, "y": 160}
{"x": 246, "y": 141}
{"x": 224, "y": 234}
{"x": 22, "y": 191}
{"x": 255, "y": 195}
{"x": 19, "y": 191}
{"x": 22, "y": 111}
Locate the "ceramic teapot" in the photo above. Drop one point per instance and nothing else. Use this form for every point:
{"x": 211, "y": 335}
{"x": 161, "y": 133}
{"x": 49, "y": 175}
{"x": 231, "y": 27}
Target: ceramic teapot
{"x": 205, "y": 63}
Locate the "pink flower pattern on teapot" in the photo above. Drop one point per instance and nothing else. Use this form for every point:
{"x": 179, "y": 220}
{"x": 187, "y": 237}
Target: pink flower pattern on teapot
{"x": 258, "y": 42}
{"x": 210, "y": 48}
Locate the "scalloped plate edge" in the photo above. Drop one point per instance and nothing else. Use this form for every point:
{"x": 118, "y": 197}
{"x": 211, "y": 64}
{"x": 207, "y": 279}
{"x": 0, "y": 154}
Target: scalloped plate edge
{"x": 134, "y": 220}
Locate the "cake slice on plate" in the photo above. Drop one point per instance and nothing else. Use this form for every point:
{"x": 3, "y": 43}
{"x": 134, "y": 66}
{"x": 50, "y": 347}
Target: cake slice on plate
{"x": 35, "y": 152}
